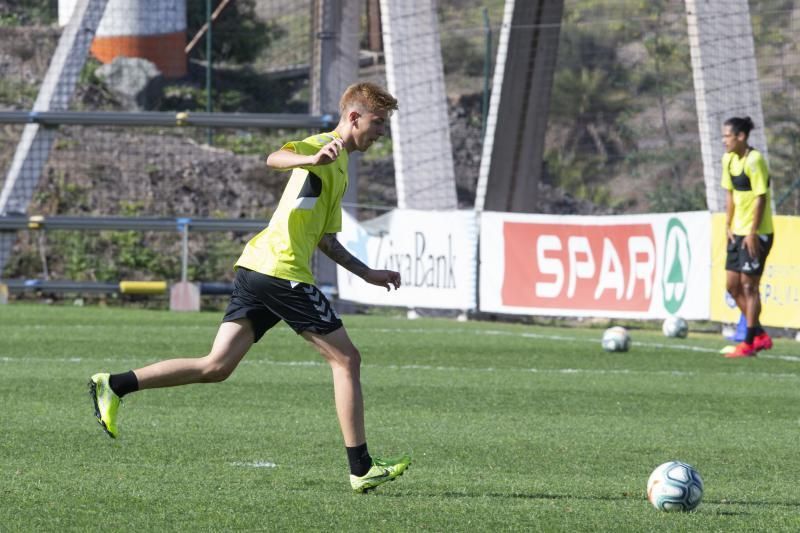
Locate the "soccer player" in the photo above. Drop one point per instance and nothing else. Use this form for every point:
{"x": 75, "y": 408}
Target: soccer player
{"x": 748, "y": 224}
{"x": 274, "y": 282}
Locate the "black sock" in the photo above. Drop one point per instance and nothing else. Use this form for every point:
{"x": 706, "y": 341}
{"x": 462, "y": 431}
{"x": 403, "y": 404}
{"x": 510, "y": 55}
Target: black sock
{"x": 360, "y": 461}
{"x": 123, "y": 383}
{"x": 759, "y": 330}
{"x": 751, "y": 333}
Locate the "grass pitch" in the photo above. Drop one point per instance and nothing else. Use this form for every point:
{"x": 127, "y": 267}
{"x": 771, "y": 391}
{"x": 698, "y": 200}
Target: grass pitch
{"x": 511, "y": 428}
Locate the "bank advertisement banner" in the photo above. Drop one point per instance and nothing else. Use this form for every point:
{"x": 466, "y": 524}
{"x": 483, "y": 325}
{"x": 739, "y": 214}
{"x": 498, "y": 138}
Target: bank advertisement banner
{"x": 633, "y": 266}
{"x": 434, "y": 251}
{"x": 780, "y": 283}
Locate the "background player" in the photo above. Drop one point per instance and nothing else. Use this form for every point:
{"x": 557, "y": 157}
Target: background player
{"x": 748, "y": 224}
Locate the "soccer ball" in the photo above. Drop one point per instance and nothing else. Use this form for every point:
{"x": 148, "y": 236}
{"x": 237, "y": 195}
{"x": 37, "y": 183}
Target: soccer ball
{"x": 675, "y": 486}
{"x": 616, "y": 339}
{"x": 675, "y": 326}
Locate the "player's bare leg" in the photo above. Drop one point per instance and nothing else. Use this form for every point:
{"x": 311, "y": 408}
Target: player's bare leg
{"x": 761, "y": 339}
{"x": 744, "y": 289}
{"x": 366, "y": 472}
{"x": 232, "y": 342}
{"x": 345, "y": 361}
{"x": 733, "y": 284}
{"x": 752, "y": 298}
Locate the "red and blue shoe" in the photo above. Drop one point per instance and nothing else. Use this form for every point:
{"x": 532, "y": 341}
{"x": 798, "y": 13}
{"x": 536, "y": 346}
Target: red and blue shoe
{"x": 742, "y": 350}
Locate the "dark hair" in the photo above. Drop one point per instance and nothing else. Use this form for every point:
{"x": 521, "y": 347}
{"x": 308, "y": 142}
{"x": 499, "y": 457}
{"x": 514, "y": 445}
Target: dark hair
{"x": 740, "y": 125}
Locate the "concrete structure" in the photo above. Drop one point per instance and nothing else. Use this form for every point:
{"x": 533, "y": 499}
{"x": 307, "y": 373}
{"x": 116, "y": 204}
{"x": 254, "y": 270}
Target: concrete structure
{"x": 513, "y": 147}
{"x": 55, "y": 93}
{"x": 335, "y": 32}
{"x": 151, "y": 29}
{"x": 725, "y": 81}
{"x": 423, "y": 154}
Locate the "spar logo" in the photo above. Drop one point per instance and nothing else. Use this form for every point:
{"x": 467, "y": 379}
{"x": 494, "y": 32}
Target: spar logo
{"x": 677, "y": 262}
{"x": 581, "y": 267}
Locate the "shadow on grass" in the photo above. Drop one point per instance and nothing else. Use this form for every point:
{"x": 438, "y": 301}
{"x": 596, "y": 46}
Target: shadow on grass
{"x": 542, "y": 496}
{"x": 752, "y": 502}
{"x": 622, "y": 497}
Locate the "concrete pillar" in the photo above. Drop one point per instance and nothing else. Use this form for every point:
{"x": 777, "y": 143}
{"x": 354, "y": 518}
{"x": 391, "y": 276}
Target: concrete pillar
{"x": 422, "y": 151}
{"x": 335, "y": 36}
{"x": 513, "y": 147}
{"x": 725, "y": 81}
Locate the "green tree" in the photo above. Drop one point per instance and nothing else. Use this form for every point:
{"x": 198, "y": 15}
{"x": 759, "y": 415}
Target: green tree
{"x": 588, "y": 102}
{"x": 238, "y": 36}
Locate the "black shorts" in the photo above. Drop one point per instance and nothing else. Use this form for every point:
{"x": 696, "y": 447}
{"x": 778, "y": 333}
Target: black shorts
{"x": 266, "y": 300}
{"x": 739, "y": 260}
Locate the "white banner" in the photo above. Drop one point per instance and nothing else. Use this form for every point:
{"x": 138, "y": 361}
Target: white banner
{"x": 632, "y": 266}
{"x": 434, "y": 251}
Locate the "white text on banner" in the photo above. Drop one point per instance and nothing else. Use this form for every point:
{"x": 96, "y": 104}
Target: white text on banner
{"x": 632, "y": 266}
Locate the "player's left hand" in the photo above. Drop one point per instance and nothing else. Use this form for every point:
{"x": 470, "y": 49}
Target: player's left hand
{"x": 383, "y": 278}
{"x": 752, "y": 244}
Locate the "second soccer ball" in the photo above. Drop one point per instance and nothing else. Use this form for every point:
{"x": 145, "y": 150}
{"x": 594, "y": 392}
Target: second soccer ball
{"x": 616, "y": 339}
{"x": 675, "y": 326}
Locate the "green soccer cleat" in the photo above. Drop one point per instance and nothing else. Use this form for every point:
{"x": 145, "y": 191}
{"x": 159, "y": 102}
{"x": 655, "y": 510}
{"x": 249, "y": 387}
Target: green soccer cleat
{"x": 106, "y": 403}
{"x": 380, "y": 472}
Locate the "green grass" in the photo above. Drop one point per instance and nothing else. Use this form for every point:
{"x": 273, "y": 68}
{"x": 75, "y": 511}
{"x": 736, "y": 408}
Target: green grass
{"x": 511, "y": 428}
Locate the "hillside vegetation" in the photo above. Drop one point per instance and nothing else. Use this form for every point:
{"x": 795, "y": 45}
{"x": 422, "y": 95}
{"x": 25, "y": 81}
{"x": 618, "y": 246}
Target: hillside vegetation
{"x": 622, "y": 129}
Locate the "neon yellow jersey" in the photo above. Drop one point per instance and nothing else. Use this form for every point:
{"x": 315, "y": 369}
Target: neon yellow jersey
{"x": 311, "y": 205}
{"x": 748, "y": 178}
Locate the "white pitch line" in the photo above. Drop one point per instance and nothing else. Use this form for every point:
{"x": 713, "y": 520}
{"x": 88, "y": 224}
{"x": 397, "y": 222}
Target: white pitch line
{"x": 255, "y": 464}
{"x": 687, "y": 347}
{"x": 530, "y": 335}
{"x": 431, "y": 368}
{"x": 459, "y": 331}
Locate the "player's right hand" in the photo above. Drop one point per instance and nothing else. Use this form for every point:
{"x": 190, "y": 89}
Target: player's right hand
{"x": 328, "y": 153}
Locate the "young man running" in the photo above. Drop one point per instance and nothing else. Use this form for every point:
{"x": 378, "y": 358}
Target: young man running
{"x": 274, "y": 282}
{"x": 749, "y": 229}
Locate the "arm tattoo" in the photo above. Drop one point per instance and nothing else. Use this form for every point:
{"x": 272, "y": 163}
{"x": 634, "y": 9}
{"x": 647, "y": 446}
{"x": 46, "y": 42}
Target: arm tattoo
{"x": 334, "y": 249}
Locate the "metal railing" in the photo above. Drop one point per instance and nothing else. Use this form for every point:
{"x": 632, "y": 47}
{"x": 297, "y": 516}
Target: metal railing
{"x": 37, "y": 222}
{"x": 101, "y": 287}
{"x": 180, "y": 224}
{"x": 158, "y": 118}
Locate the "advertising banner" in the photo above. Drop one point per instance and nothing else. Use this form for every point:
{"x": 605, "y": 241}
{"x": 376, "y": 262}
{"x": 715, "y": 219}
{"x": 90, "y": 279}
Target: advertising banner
{"x": 780, "y": 283}
{"x": 633, "y": 266}
{"x": 434, "y": 251}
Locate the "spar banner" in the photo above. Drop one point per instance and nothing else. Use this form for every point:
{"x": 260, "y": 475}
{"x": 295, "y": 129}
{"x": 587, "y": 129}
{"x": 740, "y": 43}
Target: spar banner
{"x": 434, "y": 251}
{"x": 780, "y": 283}
{"x": 632, "y": 266}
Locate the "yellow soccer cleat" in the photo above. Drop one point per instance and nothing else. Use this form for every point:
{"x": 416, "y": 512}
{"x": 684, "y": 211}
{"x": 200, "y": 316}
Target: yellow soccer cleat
{"x": 382, "y": 470}
{"x": 106, "y": 403}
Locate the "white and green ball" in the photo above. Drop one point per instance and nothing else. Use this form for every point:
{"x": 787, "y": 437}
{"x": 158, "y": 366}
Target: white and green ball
{"x": 675, "y": 326}
{"x": 675, "y": 486}
{"x": 616, "y": 339}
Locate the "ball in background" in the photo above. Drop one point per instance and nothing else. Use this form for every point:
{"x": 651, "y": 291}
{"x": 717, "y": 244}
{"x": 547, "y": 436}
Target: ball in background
{"x": 675, "y": 486}
{"x": 616, "y": 339}
{"x": 675, "y": 326}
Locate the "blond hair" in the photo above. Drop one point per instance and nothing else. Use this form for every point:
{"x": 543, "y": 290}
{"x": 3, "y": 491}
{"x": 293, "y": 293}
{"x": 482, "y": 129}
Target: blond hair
{"x": 367, "y": 96}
